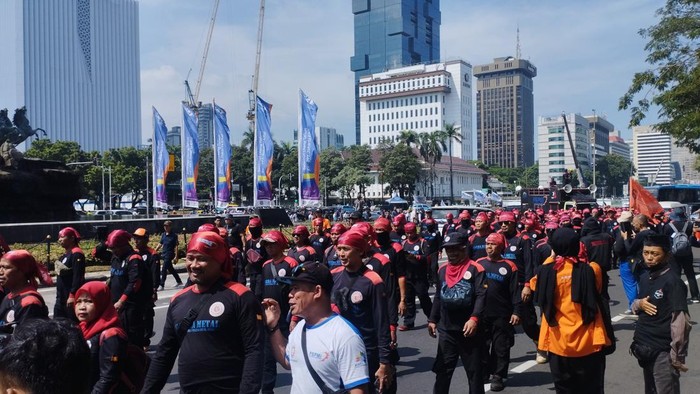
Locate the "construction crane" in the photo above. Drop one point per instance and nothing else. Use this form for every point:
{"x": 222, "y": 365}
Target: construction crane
{"x": 253, "y": 92}
{"x": 194, "y": 98}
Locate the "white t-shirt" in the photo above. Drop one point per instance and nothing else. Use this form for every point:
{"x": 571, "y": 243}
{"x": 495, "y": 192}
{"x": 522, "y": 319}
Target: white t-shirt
{"x": 336, "y": 352}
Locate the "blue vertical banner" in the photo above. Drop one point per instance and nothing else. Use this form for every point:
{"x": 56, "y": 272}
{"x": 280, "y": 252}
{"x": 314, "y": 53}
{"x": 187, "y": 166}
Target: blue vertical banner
{"x": 160, "y": 161}
{"x": 309, "y": 158}
{"x": 264, "y": 148}
{"x": 190, "y": 157}
{"x": 222, "y": 150}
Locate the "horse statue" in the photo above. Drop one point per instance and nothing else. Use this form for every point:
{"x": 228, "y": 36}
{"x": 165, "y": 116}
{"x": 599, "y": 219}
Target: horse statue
{"x": 5, "y": 125}
{"x": 22, "y": 128}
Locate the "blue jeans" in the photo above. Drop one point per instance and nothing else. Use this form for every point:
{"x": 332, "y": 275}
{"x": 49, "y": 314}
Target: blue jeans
{"x": 629, "y": 282}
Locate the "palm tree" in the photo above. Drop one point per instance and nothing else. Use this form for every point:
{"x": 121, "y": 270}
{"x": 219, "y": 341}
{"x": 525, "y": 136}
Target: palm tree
{"x": 450, "y": 133}
{"x": 430, "y": 149}
{"x": 248, "y": 139}
{"x": 408, "y": 137}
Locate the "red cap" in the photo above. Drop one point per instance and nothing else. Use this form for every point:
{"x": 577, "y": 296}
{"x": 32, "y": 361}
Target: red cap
{"x": 399, "y": 219}
{"x": 497, "y": 238}
{"x": 27, "y": 264}
{"x": 465, "y": 215}
{"x": 211, "y": 244}
{"x": 551, "y": 225}
{"x": 69, "y": 232}
{"x": 317, "y": 222}
{"x": 118, "y": 239}
{"x": 354, "y": 239}
{"x": 506, "y": 217}
{"x": 207, "y": 227}
{"x": 409, "y": 227}
{"x": 482, "y": 216}
{"x": 255, "y": 222}
{"x": 275, "y": 237}
{"x": 449, "y": 216}
{"x": 301, "y": 230}
{"x": 338, "y": 228}
{"x": 365, "y": 229}
{"x": 382, "y": 224}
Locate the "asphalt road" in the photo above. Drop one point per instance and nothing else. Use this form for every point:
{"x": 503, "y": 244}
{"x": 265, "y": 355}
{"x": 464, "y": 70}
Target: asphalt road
{"x": 418, "y": 350}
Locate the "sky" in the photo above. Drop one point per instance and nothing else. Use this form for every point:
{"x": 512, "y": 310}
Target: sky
{"x": 586, "y": 53}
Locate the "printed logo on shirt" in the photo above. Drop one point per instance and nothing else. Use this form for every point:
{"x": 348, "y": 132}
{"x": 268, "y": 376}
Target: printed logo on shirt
{"x": 495, "y": 276}
{"x": 513, "y": 248}
{"x": 447, "y": 239}
{"x": 282, "y": 272}
{"x": 302, "y": 258}
{"x": 322, "y": 357}
{"x": 217, "y": 309}
{"x": 65, "y": 259}
{"x": 320, "y": 240}
{"x": 356, "y": 297}
{"x": 10, "y": 317}
{"x": 659, "y": 294}
{"x": 360, "y": 360}
{"x": 257, "y": 245}
{"x": 467, "y": 275}
{"x": 370, "y": 267}
{"x": 502, "y": 271}
{"x": 117, "y": 272}
{"x": 204, "y": 326}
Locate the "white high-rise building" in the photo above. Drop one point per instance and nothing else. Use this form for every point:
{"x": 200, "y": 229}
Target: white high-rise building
{"x": 422, "y": 98}
{"x": 618, "y": 146}
{"x": 651, "y": 155}
{"x": 554, "y": 148}
{"x": 75, "y": 65}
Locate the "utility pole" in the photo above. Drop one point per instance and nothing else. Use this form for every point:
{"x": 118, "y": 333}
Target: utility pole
{"x": 593, "y": 138}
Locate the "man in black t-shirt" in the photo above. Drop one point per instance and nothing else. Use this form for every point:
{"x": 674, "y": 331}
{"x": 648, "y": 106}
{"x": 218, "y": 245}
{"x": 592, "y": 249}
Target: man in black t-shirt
{"x": 662, "y": 332}
{"x": 168, "y": 252}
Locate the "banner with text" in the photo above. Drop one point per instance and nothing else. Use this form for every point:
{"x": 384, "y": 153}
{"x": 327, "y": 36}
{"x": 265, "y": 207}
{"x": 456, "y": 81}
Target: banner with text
{"x": 222, "y": 152}
{"x": 309, "y": 159}
{"x": 161, "y": 160}
{"x": 264, "y": 148}
{"x": 190, "y": 157}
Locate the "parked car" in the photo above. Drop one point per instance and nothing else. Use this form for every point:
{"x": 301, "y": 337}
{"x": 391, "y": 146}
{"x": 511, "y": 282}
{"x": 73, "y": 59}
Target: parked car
{"x": 439, "y": 213}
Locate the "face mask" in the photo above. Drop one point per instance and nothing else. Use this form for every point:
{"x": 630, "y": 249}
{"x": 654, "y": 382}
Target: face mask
{"x": 256, "y": 232}
{"x": 383, "y": 238}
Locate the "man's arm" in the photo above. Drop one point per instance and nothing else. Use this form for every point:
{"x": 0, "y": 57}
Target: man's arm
{"x": 251, "y": 327}
{"x": 680, "y": 325}
{"x": 134, "y": 279}
{"x": 279, "y": 343}
{"x": 162, "y": 362}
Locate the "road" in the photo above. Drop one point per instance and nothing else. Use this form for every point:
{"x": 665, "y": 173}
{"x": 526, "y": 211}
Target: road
{"x": 417, "y": 351}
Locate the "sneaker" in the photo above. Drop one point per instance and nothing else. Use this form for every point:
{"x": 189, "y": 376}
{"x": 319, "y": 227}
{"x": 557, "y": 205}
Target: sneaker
{"x": 694, "y": 300}
{"x": 178, "y": 286}
{"x": 541, "y": 358}
{"x": 497, "y": 383}
{"x": 406, "y": 327}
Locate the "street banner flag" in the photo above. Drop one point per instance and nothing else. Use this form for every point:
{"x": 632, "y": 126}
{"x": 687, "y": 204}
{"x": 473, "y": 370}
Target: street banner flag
{"x": 190, "y": 157}
{"x": 222, "y": 157}
{"x": 264, "y": 149}
{"x": 161, "y": 161}
{"x": 643, "y": 201}
{"x": 309, "y": 158}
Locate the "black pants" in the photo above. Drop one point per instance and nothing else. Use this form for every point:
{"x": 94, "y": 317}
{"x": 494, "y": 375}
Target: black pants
{"x": 433, "y": 266}
{"x": 685, "y": 264}
{"x": 149, "y": 314}
{"x": 529, "y": 321}
{"x": 574, "y": 375}
{"x": 168, "y": 268}
{"x": 499, "y": 337}
{"x": 131, "y": 317}
{"x": 60, "y": 309}
{"x": 415, "y": 288}
{"x": 452, "y": 345}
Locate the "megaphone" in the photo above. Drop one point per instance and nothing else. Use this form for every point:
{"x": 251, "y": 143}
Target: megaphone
{"x": 592, "y": 188}
{"x": 568, "y": 188}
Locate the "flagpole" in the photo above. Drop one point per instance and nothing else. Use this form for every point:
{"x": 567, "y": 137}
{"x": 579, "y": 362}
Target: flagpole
{"x": 216, "y": 163}
{"x": 182, "y": 160}
{"x": 300, "y": 175}
{"x": 255, "y": 149}
{"x": 153, "y": 164}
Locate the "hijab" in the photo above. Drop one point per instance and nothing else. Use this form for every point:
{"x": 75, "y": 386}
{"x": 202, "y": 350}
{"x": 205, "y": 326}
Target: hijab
{"x": 106, "y": 315}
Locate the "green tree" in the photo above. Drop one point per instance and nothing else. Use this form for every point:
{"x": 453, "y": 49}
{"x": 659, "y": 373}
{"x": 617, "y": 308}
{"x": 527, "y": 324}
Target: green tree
{"x": 290, "y": 166}
{"x": 242, "y": 172}
{"x": 408, "y": 137}
{"x": 431, "y": 147}
{"x": 400, "y": 169}
{"x": 360, "y": 157}
{"x": 331, "y": 164}
{"x": 673, "y": 81}
{"x": 205, "y": 175}
{"x": 350, "y": 177}
{"x": 613, "y": 171}
{"x": 248, "y": 139}
{"x": 450, "y": 133}
{"x": 63, "y": 151}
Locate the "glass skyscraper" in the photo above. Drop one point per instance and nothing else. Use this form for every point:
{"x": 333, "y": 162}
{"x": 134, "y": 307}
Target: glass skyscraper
{"x": 75, "y": 65}
{"x": 391, "y": 34}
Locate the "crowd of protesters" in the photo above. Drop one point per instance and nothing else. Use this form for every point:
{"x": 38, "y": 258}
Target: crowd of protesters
{"x": 328, "y": 304}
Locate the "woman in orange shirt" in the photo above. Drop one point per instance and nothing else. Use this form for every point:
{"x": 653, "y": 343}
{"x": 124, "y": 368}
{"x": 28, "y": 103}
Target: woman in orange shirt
{"x": 573, "y": 330}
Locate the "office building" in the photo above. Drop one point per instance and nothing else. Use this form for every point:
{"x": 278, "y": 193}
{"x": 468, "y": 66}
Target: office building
{"x": 422, "y": 98}
{"x": 505, "y": 117}
{"x": 652, "y": 156}
{"x": 205, "y": 127}
{"x": 328, "y": 137}
{"x": 174, "y": 136}
{"x": 75, "y": 65}
{"x": 684, "y": 160}
{"x": 554, "y": 149}
{"x": 392, "y": 34}
{"x": 618, "y": 146}
{"x": 602, "y": 128}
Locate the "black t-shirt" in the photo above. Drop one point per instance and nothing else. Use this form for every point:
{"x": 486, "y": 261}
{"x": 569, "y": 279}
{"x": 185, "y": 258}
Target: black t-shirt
{"x": 477, "y": 246}
{"x": 502, "y": 295}
{"x": 222, "y": 351}
{"x": 233, "y": 235}
{"x": 130, "y": 279}
{"x": 453, "y": 306}
{"x": 169, "y": 242}
{"x": 72, "y": 278}
{"x": 668, "y": 293}
{"x": 320, "y": 242}
{"x": 26, "y": 304}
{"x": 275, "y": 290}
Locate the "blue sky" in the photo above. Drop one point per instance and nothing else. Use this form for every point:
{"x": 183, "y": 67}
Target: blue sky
{"x": 585, "y": 51}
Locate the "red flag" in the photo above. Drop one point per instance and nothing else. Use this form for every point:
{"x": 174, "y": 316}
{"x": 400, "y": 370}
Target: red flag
{"x": 643, "y": 201}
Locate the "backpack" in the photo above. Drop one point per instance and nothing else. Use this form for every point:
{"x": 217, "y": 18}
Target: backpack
{"x": 135, "y": 368}
{"x": 680, "y": 244}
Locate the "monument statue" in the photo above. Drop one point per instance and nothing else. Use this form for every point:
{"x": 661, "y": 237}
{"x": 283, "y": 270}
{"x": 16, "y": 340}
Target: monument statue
{"x": 32, "y": 189}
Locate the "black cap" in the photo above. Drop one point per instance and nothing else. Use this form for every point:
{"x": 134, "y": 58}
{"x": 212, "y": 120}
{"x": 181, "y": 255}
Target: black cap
{"x": 455, "y": 239}
{"x": 311, "y": 272}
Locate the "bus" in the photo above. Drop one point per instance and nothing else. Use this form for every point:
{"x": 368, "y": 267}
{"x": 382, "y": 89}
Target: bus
{"x": 683, "y": 193}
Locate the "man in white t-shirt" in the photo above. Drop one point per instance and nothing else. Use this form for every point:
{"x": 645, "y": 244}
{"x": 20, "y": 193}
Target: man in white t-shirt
{"x": 334, "y": 348}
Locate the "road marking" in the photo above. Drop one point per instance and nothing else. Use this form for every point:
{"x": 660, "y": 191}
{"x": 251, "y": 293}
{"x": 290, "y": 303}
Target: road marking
{"x": 524, "y": 366}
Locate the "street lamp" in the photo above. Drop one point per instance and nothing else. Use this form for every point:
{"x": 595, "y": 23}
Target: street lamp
{"x": 595, "y": 119}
